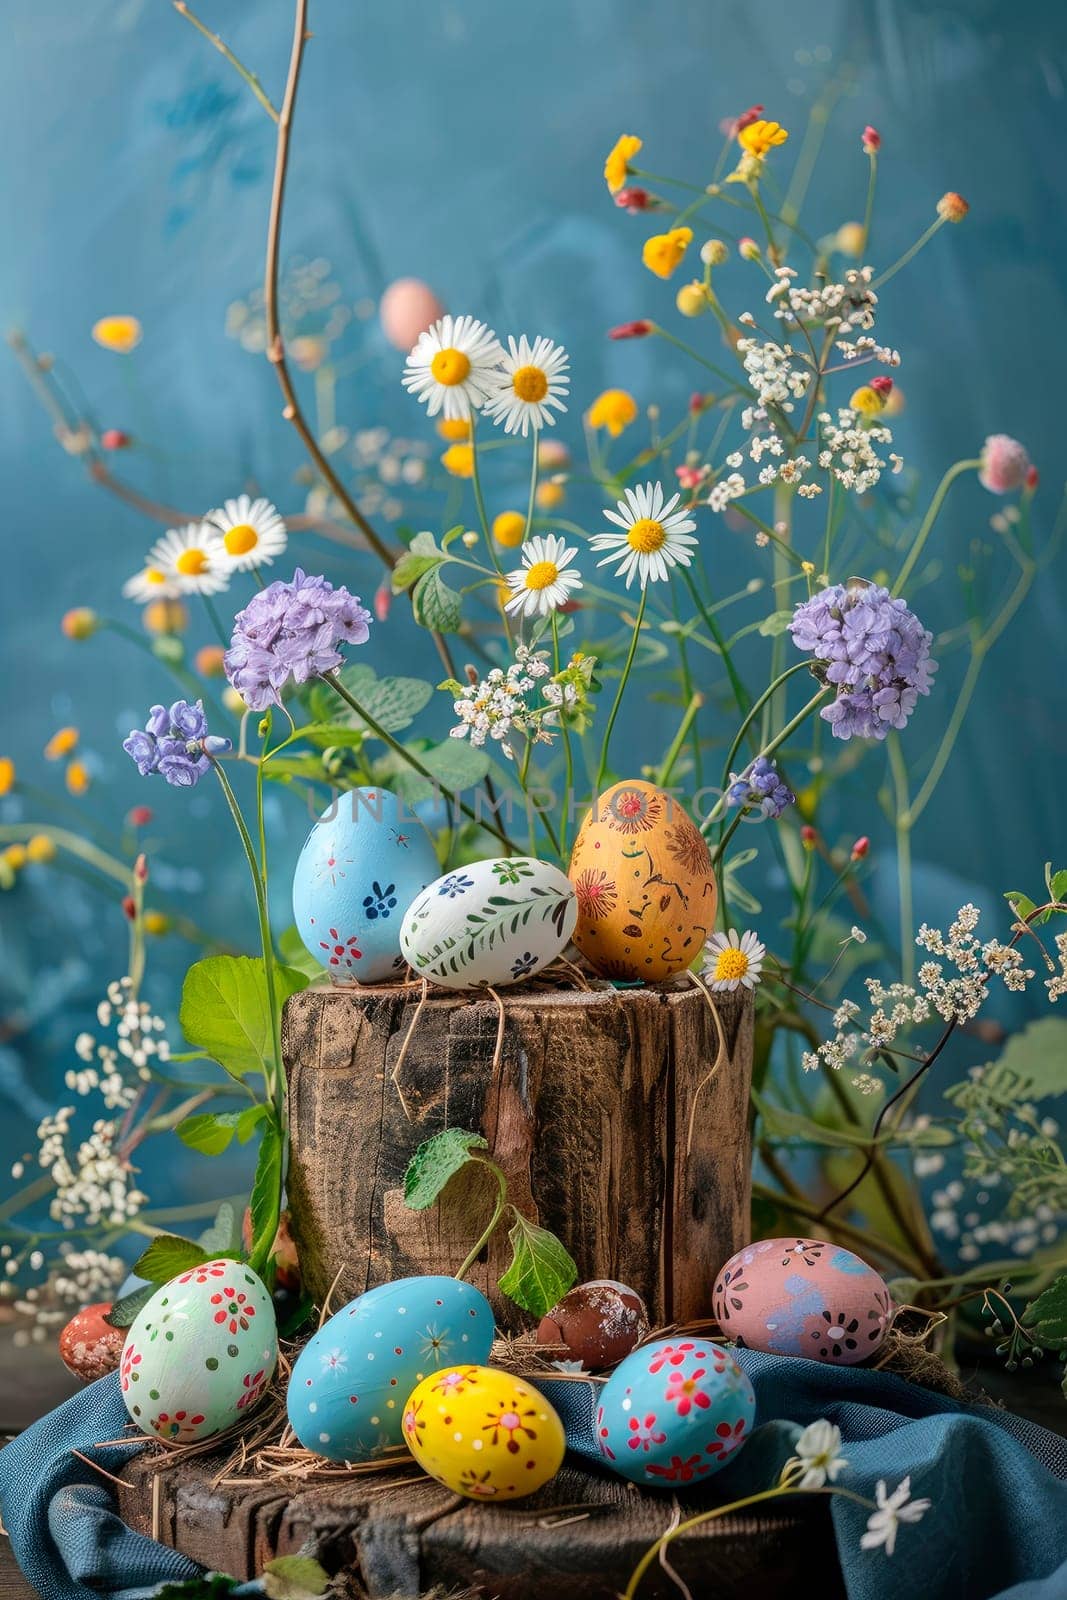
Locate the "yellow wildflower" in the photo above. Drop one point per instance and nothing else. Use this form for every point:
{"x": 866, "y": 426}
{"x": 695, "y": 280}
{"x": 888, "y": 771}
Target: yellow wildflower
{"x": 81, "y": 623}
{"x": 165, "y": 616}
{"x": 14, "y": 856}
{"x": 664, "y": 251}
{"x": 121, "y": 333}
{"x": 208, "y": 661}
{"x": 508, "y": 528}
{"x": 759, "y": 138}
{"x": 7, "y": 775}
{"x": 62, "y": 742}
{"x": 40, "y": 849}
{"x": 692, "y": 299}
{"x": 618, "y": 162}
{"x": 156, "y": 922}
{"x": 613, "y": 410}
{"x": 867, "y": 401}
{"x": 458, "y": 459}
{"x": 454, "y": 429}
{"x": 78, "y": 779}
{"x": 550, "y": 496}
{"x": 851, "y": 239}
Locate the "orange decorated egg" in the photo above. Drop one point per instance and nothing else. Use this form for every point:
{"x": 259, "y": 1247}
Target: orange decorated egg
{"x": 89, "y": 1346}
{"x": 644, "y": 883}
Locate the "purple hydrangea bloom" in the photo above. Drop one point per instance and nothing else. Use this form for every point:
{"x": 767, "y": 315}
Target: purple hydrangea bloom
{"x": 872, "y": 649}
{"x": 291, "y": 630}
{"x": 760, "y": 785}
{"x": 175, "y": 743}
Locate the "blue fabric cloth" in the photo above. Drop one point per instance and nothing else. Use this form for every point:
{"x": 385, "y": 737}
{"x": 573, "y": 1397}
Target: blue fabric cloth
{"x": 997, "y": 1526}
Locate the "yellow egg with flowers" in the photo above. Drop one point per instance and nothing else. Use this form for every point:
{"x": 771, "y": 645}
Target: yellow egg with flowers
{"x": 483, "y": 1433}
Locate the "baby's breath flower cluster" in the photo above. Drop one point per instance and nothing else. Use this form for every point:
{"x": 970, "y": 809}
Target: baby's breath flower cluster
{"x": 94, "y": 1183}
{"x": 116, "y": 1070}
{"x": 497, "y": 706}
{"x": 953, "y": 988}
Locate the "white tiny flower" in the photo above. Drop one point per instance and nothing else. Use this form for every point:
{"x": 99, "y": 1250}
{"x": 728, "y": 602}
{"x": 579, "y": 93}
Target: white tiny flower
{"x": 453, "y": 367}
{"x": 733, "y": 961}
{"x": 893, "y": 1509}
{"x": 252, "y": 532}
{"x": 817, "y": 1452}
{"x": 191, "y": 558}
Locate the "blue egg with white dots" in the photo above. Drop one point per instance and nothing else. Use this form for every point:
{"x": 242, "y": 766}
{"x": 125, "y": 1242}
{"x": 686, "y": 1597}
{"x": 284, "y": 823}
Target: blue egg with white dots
{"x": 362, "y": 865}
{"x": 351, "y": 1381}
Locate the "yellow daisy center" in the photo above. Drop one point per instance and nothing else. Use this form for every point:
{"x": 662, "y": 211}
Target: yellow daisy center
{"x": 450, "y": 366}
{"x": 241, "y": 539}
{"x": 153, "y": 575}
{"x": 529, "y": 383}
{"x": 732, "y": 964}
{"x": 192, "y": 563}
{"x": 646, "y": 536}
{"x": 541, "y": 574}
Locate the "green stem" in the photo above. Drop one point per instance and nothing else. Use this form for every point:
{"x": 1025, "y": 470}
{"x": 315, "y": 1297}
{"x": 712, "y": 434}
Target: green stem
{"x": 498, "y": 1212}
{"x": 416, "y": 765}
{"x": 224, "y": 50}
{"x": 707, "y": 614}
{"x": 783, "y": 677}
{"x": 603, "y": 764}
{"x": 899, "y": 773}
{"x": 275, "y": 1085}
{"x": 772, "y": 745}
{"x": 533, "y": 488}
{"x": 909, "y": 255}
{"x": 695, "y": 702}
{"x": 479, "y": 501}
{"x": 934, "y": 510}
{"x": 869, "y": 212}
{"x": 568, "y": 754}
{"x": 695, "y": 355}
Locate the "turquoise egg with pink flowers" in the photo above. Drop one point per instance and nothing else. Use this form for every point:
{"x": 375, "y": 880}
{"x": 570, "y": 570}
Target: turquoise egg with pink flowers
{"x": 803, "y": 1297}
{"x": 674, "y": 1412}
{"x": 362, "y": 865}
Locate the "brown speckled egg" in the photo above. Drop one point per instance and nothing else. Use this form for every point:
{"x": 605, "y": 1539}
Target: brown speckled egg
{"x": 643, "y": 878}
{"x": 596, "y": 1324}
{"x": 89, "y": 1347}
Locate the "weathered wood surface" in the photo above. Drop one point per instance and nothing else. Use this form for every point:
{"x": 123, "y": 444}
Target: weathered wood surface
{"x": 579, "y": 1538}
{"x": 588, "y": 1113}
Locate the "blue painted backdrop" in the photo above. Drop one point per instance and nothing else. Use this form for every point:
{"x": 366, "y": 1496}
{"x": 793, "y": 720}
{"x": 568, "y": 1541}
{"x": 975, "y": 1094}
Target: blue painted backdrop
{"x": 463, "y": 142}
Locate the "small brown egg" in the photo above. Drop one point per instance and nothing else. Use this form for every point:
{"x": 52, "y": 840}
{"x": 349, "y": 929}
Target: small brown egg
{"x": 89, "y": 1347}
{"x": 596, "y": 1324}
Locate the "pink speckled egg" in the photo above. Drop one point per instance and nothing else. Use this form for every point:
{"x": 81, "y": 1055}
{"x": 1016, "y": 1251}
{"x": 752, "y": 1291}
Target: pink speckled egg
{"x": 408, "y": 307}
{"x": 803, "y": 1297}
{"x": 88, "y": 1346}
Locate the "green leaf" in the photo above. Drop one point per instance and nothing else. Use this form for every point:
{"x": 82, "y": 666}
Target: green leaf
{"x": 1046, "y": 1317}
{"x": 224, "y": 1009}
{"x": 223, "y": 1237}
{"x": 436, "y": 1162}
{"x": 453, "y": 534}
{"x": 776, "y": 623}
{"x": 210, "y": 1132}
{"x": 421, "y": 556}
{"x": 124, "y": 1311}
{"x": 541, "y": 1270}
{"x": 294, "y": 1578}
{"x": 394, "y": 703}
{"x": 1057, "y": 883}
{"x": 293, "y": 952}
{"x": 1020, "y": 903}
{"x": 166, "y": 1256}
{"x": 435, "y": 605}
{"x": 265, "y": 1203}
{"x": 454, "y": 763}
{"x": 1034, "y": 1058}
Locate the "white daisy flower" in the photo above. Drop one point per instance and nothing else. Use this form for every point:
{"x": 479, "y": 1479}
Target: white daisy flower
{"x": 453, "y": 366}
{"x": 151, "y": 583}
{"x": 733, "y": 961}
{"x": 654, "y": 537}
{"x": 252, "y": 532}
{"x": 544, "y": 580}
{"x": 532, "y": 378}
{"x": 817, "y": 1454}
{"x": 893, "y": 1509}
{"x": 192, "y": 558}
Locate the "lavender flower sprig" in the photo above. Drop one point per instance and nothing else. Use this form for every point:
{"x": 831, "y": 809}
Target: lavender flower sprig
{"x": 872, "y": 650}
{"x": 761, "y": 785}
{"x": 175, "y": 743}
{"x": 290, "y": 631}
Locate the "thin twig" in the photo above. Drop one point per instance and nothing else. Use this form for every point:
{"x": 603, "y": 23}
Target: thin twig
{"x": 224, "y": 50}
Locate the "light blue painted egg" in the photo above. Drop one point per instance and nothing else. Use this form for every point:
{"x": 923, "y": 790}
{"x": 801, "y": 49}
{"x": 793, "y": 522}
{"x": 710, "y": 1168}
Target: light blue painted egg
{"x": 362, "y": 864}
{"x": 352, "y": 1379}
{"x": 674, "y": 1412}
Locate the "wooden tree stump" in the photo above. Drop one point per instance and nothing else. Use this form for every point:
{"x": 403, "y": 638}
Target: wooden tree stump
{"x": 588, "y": 1113}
